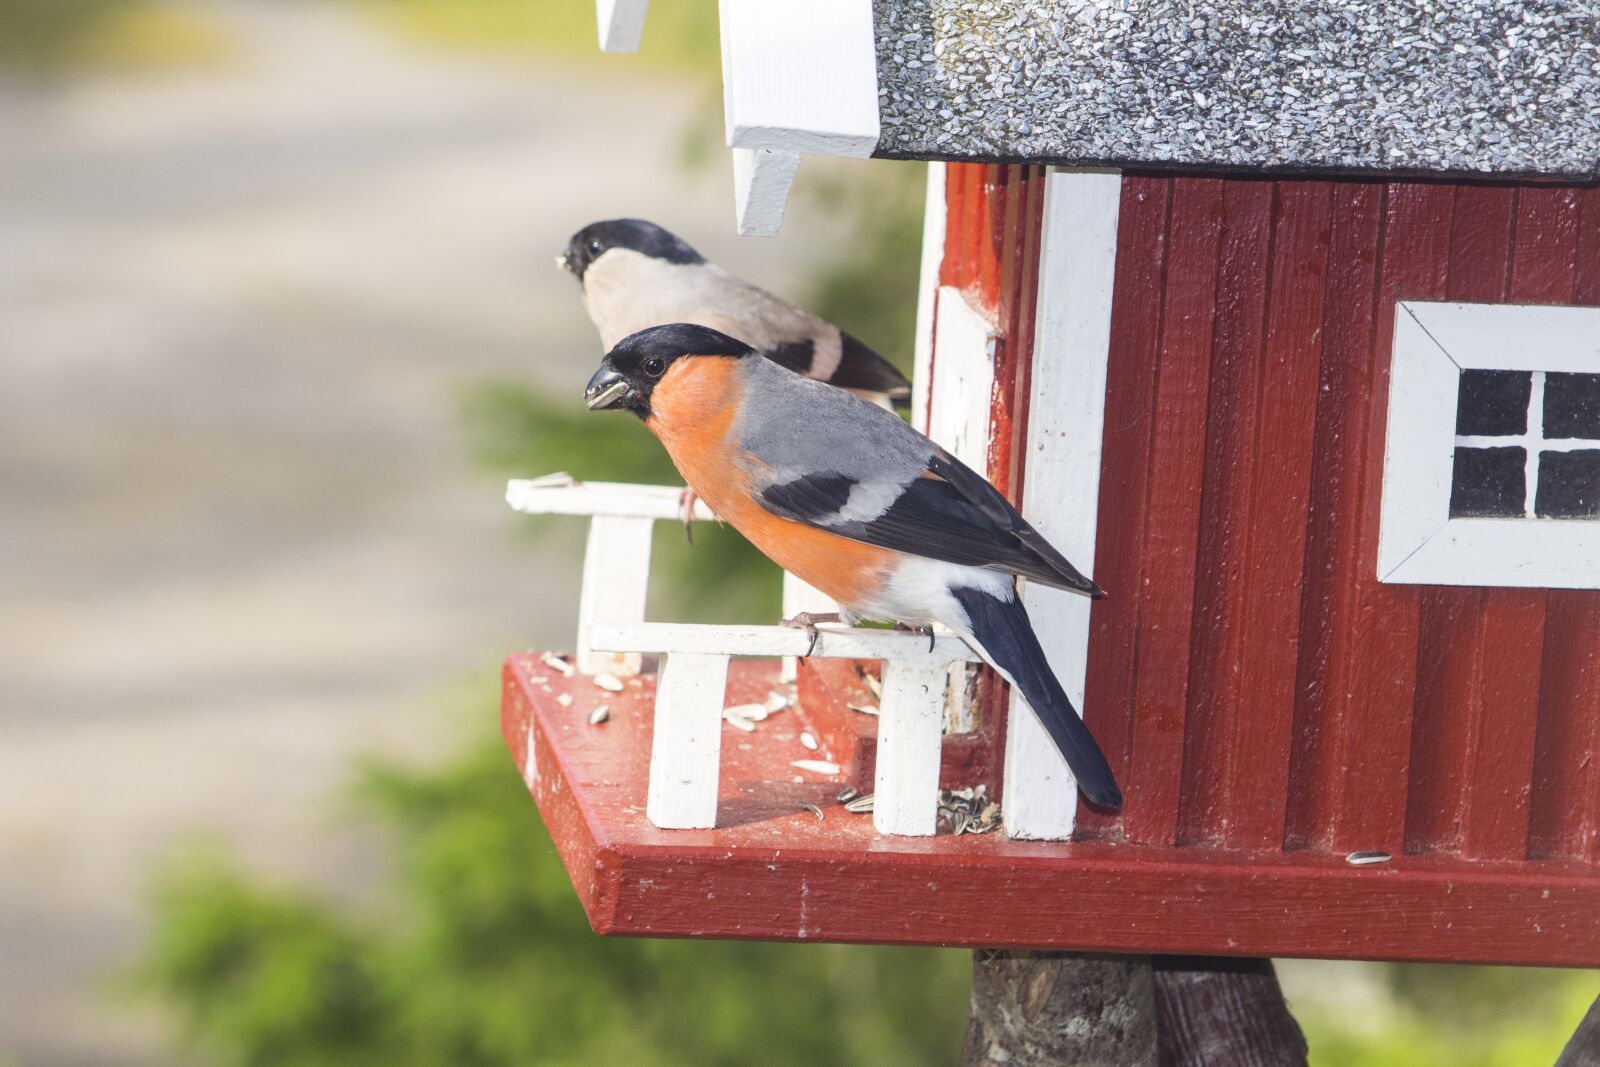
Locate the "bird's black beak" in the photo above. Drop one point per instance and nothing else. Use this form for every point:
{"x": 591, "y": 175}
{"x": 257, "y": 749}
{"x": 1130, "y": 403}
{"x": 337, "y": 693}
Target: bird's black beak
{"x": 605, "y": 390}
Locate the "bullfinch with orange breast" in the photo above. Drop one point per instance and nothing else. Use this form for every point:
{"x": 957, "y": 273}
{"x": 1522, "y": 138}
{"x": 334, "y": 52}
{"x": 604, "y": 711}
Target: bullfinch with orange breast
{"x": 635, "y": 275}
{"x": 848, "y": 497}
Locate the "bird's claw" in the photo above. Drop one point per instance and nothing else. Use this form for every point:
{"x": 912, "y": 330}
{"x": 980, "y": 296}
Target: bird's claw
{"x": 686, "y": 501}
{"x": 807, "y": 621}
{"x": 919, "y": 630}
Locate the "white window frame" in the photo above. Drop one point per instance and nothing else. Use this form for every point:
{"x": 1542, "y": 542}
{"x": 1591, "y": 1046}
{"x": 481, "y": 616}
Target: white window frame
{"x": 1418, "y": 542}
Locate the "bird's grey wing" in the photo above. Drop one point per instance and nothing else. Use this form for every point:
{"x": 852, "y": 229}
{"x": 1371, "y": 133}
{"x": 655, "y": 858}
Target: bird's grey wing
{"x": 794, "y": 338}
{"x": 845, "y": 466}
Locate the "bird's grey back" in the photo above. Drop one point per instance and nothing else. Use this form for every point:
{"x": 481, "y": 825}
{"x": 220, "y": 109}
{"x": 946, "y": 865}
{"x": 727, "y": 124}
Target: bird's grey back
{"x": 626, "y": 291}
{"x": 791, "y": 426}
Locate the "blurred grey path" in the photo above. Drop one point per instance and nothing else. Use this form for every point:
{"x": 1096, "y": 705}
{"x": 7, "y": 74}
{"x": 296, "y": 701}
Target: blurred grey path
{"x": 239, "y": 537}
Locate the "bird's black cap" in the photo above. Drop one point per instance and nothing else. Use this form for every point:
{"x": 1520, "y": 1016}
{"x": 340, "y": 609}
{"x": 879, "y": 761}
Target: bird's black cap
{"x": 627, "y": 376}
{"x": 637, "y": 235}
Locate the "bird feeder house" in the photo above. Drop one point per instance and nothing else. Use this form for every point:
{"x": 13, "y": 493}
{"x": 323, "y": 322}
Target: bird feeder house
{"x": 1281, "y": 321}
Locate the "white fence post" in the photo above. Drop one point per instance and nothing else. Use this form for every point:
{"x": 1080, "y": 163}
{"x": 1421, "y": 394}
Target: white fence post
{"x": 910, "y": 728}
{"x": 616, "y": 580}
{"x": 687, "y": 746}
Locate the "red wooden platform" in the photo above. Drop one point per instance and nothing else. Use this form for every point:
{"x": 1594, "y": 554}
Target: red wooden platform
{"x": 774, "y": 871}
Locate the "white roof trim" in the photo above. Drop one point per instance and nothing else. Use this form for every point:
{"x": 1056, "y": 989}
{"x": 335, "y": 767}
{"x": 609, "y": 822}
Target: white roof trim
{"x": 796, "y": 79}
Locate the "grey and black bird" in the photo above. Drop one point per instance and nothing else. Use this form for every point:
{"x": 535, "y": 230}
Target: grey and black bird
{"x": 636, "y": 275}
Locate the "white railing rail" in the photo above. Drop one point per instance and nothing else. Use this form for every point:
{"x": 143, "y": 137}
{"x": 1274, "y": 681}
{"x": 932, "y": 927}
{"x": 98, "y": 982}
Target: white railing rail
{"x": 687, "y": 745}
{"x": 690, "y": 690}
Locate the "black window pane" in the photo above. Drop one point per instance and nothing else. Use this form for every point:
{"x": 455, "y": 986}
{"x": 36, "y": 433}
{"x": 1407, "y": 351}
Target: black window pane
{"x": 1488, "y": 483}
{"x": 1569, "y": 485}
{"x": 1493, "y": 402}
{"x": 1571, "y": 405}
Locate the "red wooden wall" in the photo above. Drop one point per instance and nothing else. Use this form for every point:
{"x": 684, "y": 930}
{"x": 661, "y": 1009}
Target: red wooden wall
{"x": 1252, "y": 682}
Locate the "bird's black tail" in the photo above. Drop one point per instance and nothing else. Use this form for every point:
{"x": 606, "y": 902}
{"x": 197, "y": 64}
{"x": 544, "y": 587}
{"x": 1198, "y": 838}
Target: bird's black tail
{"x": 1007, "y": 637}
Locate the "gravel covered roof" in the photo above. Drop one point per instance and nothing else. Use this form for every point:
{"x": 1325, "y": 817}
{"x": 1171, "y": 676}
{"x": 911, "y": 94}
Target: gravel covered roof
{"x": 1449, "y": 86}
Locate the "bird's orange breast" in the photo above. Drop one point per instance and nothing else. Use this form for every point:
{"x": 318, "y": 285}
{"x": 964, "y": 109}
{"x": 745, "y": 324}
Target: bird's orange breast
{"x": 693, "y": 411}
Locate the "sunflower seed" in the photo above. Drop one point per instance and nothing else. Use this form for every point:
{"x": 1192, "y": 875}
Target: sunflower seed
{"x": 865, "y": 709}
{"x": 809, "y": 740}
{"x": 775, "y": 702}
{"x": 815, "y": 766}
{"x": 609, "y": 682}
{"x": 555, "y": 662}
{"x": 860, "y": 805}
{"x": 813, "y": 809}
{"x": 600, "y": 714}
{"x": 738, "y": 722}
{"x": 1366, "y": 857}
{"x": 847, "y": 794}
{"x": 752, "y": 712}
{"x": 564, "y": 699}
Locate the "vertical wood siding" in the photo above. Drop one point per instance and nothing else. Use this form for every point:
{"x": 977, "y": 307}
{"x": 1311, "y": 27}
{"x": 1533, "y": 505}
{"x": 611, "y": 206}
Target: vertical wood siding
{"x": 1251, "y": 681}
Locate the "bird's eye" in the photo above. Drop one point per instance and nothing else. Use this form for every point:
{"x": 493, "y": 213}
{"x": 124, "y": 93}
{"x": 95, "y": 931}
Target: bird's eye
{"x": 654, "y": 366}
{"x": 595, "y": 246}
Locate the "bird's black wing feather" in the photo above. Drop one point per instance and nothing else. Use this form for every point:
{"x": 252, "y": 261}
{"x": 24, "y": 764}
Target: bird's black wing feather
{"x": 999, "y": 510}
{"x": 960, "y": 519}
{"x": 862, "y": 368}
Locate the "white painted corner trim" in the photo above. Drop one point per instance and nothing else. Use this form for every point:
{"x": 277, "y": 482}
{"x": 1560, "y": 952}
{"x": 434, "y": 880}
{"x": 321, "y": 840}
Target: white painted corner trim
{"x": 1418, "y": 541}
{"x": 797, "y": 79}
{"x": 933, "y": 236}
{"x": 1061, "y": 489}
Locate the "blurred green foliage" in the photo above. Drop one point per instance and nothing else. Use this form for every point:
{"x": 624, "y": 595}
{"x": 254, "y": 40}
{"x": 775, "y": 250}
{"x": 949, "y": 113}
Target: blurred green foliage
{"x": 38, "y": 31}
{"x": 478, "y": 955}
{"x": 52, "y": 36}
{"x": 1439, "y": 1015}
{"x": 679, "y": 35}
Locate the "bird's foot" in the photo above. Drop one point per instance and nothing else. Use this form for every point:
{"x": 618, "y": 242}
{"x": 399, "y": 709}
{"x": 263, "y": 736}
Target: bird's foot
{"x": 807, "y": 621}
{"x": 686, "y": 501}
{"x": 904, "y": 628}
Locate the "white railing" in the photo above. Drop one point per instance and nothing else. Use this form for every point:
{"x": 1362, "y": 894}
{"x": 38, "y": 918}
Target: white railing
{"x": 691, "y": 687}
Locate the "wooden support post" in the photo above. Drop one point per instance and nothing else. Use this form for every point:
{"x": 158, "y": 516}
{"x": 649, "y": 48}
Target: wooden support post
{"x": 1584, "y": 1048}
{"x": 1065, "y": 1009}
{"x": 1061, "y": 1009}
{"x": 910, "y": 727}
{"x": 1214, "y": 1011}
{"x": 761, "y": 181}
{"x": 621, "y": 24}
{"x": 686, "y": 750}
{"x": 616, "y": 579}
